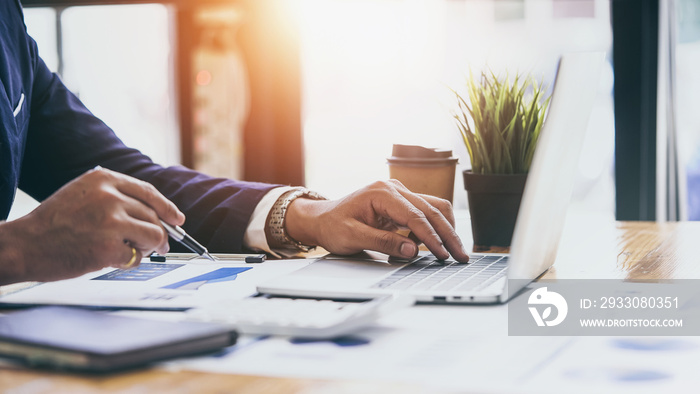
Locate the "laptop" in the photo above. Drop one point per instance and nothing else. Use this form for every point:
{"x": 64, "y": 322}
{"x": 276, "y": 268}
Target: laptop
{"x": 487, "y": 278}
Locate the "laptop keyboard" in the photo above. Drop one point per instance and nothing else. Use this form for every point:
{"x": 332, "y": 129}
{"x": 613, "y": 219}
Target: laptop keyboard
{"x": 429, "y": 273}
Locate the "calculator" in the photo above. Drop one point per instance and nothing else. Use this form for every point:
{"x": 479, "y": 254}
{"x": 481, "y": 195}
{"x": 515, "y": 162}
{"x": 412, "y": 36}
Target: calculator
{"x": 299, "y": 317}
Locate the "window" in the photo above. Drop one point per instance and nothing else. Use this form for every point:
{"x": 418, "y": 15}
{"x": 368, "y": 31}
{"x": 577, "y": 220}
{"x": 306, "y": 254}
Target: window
{"x": 41, "y": 25}
{"x": 118, "y": 60}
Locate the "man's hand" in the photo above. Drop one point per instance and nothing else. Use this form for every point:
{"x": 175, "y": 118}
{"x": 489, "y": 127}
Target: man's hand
{"x": 368, "y": 219}
{"x": 91, "y": 223}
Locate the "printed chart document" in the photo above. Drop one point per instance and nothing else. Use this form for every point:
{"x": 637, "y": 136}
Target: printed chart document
{"x": 176, "y": 285}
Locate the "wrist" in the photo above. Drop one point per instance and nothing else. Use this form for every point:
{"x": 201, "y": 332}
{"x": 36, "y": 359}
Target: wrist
{"x": 302, "y": 221}
{"x": 13, "y": 268}
{"x": 288, "y": 221}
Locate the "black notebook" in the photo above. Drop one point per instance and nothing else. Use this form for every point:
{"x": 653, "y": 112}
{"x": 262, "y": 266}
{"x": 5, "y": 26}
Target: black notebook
{"x": 88, "y": 340}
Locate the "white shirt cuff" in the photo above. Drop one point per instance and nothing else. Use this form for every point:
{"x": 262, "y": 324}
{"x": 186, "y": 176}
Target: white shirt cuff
{"x": 254, "y": 237}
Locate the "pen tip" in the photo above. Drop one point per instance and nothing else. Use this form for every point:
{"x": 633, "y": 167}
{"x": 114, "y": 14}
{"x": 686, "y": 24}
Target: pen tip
{"x": 210, "y": 257}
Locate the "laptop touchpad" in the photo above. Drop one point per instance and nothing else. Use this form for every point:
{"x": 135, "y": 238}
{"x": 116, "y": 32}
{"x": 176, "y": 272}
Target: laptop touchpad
{"x": 348, "y": 268}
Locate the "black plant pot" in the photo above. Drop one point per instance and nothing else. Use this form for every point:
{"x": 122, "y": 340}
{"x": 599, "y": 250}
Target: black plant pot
{"x": 494, "y": 201}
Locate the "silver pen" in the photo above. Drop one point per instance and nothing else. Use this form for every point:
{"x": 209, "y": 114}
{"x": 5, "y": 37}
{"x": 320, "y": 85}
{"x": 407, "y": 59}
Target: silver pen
{"x": 178, "y": 234}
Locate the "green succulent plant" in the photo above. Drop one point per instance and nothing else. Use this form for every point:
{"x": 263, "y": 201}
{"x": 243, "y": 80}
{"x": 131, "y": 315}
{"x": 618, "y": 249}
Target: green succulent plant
{"x": 501, "y": 122}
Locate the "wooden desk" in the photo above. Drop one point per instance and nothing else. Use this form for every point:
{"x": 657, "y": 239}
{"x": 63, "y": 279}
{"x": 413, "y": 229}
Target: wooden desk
{"x": 158, "y": 381}
{"x": 630, "y": 251}
{"x": 590, "y": 248}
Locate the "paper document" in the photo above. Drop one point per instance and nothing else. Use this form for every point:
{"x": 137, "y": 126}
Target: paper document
{"x": 467, "y": 349}
{"x": 445, "y": 348}
{"x": 176, "y": 285}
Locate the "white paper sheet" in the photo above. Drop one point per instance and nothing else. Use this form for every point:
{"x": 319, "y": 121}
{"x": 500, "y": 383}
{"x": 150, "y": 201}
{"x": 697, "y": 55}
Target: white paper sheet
{"x": 624, "y": 365}
{"x": 450, "y": 347}
{"x": 467, "y": 348}
{"x": 89, "y": 290}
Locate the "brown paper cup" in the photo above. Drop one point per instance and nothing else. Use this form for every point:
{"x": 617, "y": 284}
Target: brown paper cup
{"x": 424, "y": 170}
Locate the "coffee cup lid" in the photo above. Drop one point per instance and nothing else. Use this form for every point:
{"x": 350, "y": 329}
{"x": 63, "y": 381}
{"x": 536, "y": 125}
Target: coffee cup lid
{"x": 419, "y": 154}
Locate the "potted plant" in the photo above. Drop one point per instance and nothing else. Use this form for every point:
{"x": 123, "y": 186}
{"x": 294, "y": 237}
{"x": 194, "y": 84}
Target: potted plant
{"x": 500, "y": 121}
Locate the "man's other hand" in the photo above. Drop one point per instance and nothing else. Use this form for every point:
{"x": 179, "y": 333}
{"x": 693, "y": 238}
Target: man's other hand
{"x": 368, "y": 220}
{"x": 91, "y": 223}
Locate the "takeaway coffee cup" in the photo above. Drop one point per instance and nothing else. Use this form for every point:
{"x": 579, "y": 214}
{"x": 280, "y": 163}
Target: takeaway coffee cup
{"x": 424, "y": 170}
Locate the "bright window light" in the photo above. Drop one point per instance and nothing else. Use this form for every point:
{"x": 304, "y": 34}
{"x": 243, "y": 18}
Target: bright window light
{"x": 378, "y": 72}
